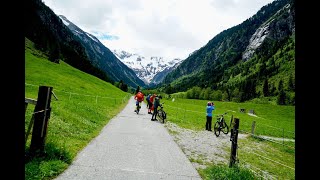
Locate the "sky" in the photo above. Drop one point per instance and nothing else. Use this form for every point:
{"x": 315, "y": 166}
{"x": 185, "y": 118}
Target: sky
{"x": 165, "y": 28}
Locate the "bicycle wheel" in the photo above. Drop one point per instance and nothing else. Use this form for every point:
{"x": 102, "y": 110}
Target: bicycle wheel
{"x": 216, "y": 129}
{"x": 225, "y": 128}
{"x": 138, "y": 109}
{"x": 160, "y": 116}
{"x": 164, "y": 116}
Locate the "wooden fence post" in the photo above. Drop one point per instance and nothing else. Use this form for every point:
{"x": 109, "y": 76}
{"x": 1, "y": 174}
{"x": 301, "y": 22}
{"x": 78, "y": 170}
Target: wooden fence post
{"x": 234, "y": 142}
{"x": 25, "y": 107}
{"x": 253, "y": 127}
{"x": 41, "y": 117}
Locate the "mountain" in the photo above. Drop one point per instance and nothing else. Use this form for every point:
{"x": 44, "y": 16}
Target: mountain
{"x": 44, "y": 28}
{"x": 152, "y": 69}
{"x": 253, "y": 59}
{"x": 103, "y": 58}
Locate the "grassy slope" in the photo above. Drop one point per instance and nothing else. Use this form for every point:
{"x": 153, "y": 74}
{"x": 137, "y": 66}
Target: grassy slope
{"x": 85, "y": 105}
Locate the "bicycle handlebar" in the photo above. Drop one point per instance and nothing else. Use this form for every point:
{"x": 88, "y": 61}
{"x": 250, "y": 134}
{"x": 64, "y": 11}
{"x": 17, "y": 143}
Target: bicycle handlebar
{"x": 222, "y": 114}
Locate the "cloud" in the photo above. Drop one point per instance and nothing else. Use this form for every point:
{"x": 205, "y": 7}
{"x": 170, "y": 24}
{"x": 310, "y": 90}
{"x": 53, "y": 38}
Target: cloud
{"x": 168, "y": 28}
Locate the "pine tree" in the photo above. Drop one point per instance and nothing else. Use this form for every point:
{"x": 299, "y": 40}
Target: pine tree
{"x": 291, "y": 84}
{"x": 281, "y": 98}
{"x": 266, "y": 88}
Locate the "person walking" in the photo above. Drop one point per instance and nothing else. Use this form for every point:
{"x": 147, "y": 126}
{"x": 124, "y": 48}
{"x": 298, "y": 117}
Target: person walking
{"x": 156, "y": 103}
{"x": 209, "y": 109}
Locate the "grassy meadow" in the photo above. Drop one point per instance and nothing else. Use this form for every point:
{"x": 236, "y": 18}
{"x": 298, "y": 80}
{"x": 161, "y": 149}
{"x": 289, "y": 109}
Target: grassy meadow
{"x": 266, "y": 159}
{"x": 84, "y": 105}
{"x": 270, "y": 120}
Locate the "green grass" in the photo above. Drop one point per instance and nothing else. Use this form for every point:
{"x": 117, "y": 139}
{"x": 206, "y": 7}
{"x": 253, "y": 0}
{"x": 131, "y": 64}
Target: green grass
{"x": 271, "y": 120}
{"x": 85, "y": 105}
{"x": 254, "y": 154}
{"x": 259, "y": 154}
{"x": 223, "y": 172}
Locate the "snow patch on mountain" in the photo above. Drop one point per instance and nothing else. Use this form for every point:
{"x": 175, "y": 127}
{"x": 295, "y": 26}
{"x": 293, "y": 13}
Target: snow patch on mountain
{"x": 146, "y": 67}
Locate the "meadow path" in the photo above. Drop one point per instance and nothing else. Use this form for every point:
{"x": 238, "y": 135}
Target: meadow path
{"x": 131, "y": 146}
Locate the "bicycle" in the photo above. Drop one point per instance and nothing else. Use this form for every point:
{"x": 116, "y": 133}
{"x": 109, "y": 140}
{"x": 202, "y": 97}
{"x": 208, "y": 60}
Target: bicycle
{"x": 221, "y": 125}
{"x": 138, "y": 107}
{"x": 162, "y": 114}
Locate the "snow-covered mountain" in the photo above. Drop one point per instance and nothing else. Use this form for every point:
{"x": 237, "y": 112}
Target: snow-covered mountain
{"x": 151, "y": 69}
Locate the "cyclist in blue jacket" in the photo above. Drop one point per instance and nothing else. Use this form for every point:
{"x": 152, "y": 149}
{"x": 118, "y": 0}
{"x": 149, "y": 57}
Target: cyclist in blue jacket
{"x": 210, "y": 108}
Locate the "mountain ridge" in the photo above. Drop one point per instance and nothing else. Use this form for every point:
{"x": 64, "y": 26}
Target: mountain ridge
{"x": 102, "y": 57}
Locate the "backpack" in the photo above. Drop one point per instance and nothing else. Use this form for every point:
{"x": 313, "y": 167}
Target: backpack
{"x": 139, "y": 96}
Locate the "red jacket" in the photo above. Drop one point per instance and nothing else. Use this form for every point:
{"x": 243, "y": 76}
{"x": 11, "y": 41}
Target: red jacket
{"x": 152, "y": 98}
{"x": 139, "y": 96}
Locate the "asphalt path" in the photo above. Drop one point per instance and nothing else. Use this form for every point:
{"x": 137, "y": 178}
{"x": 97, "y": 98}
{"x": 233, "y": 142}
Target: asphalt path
{"x": 131, "y": 146}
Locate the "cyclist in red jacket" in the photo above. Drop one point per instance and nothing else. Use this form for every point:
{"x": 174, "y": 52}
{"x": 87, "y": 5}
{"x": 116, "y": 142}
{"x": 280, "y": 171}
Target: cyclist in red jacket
{"x": 139, "y": 97}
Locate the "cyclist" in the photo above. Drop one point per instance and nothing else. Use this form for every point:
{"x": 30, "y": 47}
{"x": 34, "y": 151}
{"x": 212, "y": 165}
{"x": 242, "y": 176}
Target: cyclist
{"x": 210, "y": 108}
{"x": 139, "y": 97}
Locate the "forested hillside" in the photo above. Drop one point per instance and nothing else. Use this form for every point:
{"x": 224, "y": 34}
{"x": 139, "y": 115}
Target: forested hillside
{"x": 50, "y": 36}
{"x": 254, "y": 59}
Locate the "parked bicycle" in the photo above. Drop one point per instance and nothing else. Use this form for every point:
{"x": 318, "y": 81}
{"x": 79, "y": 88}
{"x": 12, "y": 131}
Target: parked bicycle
{"x": 162, "y": 114}
{"x": 221, "y": 125}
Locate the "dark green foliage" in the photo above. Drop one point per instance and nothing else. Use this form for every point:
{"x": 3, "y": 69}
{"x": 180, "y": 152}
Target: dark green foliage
{"x": 54, "y": 54}
{"x": 121, "y": 85}
{"x": 168, "y": 89}
{"x": 291, "y": 84}
{"x": 281, "y": 98}
{"x": 266, "y": 88}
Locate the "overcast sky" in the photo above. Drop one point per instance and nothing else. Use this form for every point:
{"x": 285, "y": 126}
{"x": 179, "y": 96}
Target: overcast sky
{"x": 167, "y": 28}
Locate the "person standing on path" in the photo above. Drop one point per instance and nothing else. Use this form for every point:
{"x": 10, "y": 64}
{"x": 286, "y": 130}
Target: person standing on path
{"x": 156, "y": 103}
{"x": 149, "y": 105}
{"x": 210, "y": 108}
{"x": 151, "y": 102}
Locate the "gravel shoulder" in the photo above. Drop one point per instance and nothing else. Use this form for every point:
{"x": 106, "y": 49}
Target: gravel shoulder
{"x": 202, "y": 148}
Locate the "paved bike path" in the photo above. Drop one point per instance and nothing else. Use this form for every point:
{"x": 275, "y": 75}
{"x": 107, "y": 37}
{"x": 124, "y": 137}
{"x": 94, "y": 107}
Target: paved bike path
{"x": 131, "y": 146}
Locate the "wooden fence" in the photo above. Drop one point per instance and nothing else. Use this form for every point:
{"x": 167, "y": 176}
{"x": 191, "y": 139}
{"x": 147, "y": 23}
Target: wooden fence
{"x": 39, "y": 120}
